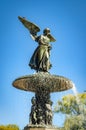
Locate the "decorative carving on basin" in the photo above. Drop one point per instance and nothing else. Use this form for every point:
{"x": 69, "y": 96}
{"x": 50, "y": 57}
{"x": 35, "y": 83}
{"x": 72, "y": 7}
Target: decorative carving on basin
{"x": 51, "y": 83}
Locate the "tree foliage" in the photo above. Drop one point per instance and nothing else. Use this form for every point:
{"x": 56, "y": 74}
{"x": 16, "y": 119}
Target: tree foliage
{"x": 75, "y": 123}
{"x": 75, "y": 109}
{"x": 9, "y": 127}
{"x": 71, "y": 104}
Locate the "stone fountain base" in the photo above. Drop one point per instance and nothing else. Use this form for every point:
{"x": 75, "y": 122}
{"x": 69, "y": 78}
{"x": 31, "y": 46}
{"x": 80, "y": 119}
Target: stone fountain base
{"x": 40, "y": 128}
{"x": 27, "y": 128}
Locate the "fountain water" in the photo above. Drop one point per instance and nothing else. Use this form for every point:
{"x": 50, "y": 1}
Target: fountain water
{"x": 74, "y": 89}
{"x": 81, "y": 106}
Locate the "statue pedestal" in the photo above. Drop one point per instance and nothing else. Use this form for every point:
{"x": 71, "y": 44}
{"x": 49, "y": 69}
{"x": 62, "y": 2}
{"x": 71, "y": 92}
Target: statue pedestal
{"x": 40, "y": 128}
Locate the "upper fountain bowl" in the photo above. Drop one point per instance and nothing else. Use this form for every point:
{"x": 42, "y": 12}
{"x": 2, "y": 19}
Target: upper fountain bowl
{"x": 43, "y": 80}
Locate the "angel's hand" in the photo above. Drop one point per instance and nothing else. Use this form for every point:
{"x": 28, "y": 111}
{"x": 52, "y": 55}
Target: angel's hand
{"x": 33, "y": 33}
{"x": 33, "y": 37}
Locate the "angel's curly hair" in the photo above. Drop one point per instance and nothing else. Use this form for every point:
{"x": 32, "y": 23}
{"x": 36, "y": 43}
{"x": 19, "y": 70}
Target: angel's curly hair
{"x": 46, "y": 30}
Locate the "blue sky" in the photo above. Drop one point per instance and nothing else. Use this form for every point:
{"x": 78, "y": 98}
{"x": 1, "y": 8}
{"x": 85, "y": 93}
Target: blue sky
{"x": 67, "y": 22}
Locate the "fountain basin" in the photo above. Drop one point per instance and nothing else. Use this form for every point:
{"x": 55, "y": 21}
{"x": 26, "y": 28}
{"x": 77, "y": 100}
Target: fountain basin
{"x": 43, "y": 80}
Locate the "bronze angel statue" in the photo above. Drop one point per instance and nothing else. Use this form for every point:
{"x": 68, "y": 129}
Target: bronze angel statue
{"x": 40, "y": 59}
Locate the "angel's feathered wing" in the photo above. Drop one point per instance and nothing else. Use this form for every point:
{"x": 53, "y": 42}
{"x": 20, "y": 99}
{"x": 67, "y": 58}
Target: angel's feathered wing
{"x": 33, "y": 28}
{"x": 29, "y": 25}
{"x": 52, "y": 39}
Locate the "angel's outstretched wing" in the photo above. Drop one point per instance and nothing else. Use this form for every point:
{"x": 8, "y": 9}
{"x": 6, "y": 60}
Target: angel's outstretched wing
{"x": 33, "y": 28}
{"x": 29, "y": 25}
{"x": 52, "y": 39}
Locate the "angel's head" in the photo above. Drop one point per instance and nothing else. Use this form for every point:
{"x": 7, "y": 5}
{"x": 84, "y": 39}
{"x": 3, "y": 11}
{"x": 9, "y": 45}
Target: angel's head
{"x": 46, "y": 31}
